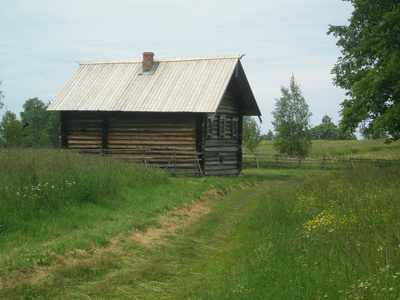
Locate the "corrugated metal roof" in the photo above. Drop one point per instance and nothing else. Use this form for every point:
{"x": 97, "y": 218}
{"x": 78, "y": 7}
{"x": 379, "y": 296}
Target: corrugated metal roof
{"x": 194, "y": 84}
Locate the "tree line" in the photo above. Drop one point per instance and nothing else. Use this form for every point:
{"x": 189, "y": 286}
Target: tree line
{"x": 35, "y": 128}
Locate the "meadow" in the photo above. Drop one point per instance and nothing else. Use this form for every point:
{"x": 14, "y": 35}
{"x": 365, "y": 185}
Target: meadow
{"x": 55, "y": 201}
{"x": 374, "y": 149}
{"x": 69, "y": 225}
{"x": 334, "y": 237}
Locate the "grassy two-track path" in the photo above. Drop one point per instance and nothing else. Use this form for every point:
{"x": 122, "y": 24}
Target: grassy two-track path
{"x": 190, "y": 248}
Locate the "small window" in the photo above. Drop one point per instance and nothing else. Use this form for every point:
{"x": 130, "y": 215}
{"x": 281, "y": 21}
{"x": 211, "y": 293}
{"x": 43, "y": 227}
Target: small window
{"x": 222, "y": 126}
{"x": 235, "y": 128}
{"x": 209, "y": 126}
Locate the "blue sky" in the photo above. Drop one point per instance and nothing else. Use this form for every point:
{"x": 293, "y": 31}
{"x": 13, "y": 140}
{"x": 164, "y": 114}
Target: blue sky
{"x": 41, "y": 41}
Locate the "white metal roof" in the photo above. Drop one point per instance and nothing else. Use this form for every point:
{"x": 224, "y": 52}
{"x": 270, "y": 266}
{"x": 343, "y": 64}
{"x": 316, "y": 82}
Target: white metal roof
{"x": 194, "y": 84}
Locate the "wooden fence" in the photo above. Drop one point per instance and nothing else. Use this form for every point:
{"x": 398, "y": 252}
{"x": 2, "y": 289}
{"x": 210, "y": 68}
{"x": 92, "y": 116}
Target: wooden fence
{"x": 181, "y": 162}
{"x": 175, "y": 162}
{"x": 262, "y": 160}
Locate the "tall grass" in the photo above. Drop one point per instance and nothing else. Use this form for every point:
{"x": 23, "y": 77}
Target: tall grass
{"x": 334, "y": 236}
{"x": 34, "y": 183}
{"x": 337, "y": 237}
{"x": 356, "y": 148}
{"x": 54, "y": 202}
{"x": 350, "y": 222}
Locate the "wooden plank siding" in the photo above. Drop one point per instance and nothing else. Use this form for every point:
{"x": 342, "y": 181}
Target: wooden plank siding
{"x": 223, "y": 155}
{"x": 158, "y": 135}
{"x": 154, "y": 131}
{"x": 159, "y": 138}
{"x": 81, "y": 130}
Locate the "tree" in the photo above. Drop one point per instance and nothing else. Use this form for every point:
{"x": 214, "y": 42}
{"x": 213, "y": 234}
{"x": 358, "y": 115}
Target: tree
{"x": 11, "y": 131}
{"x": 369, "y": 136}
{"x": 269, "y": 136}
{"x": 369, "y": 68}
{"x": 52, "y": 129}
{"x": 291, "y": 121}
{"x": 40, "y": 126}
{"x": 327, "y": 130}
{"x": 251, "y": 133}
{"x": 34, "y": 120}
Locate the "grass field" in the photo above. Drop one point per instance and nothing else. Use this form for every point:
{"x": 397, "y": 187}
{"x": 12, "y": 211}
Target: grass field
{"x": 59, "y": 200}
{"x": 356, "y": 148}
{"x": 334, "y": 237}
{"x": 79, "y": 227}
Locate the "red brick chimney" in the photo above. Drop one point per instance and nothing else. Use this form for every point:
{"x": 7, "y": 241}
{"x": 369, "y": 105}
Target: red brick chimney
{"x": 148, "y": 61}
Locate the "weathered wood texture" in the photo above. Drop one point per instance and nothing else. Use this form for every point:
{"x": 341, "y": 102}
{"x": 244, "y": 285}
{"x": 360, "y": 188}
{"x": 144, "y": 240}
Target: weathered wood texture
{"x": 222, "y": 155}
{"x": 147, "y": 133}
{"x": 81, "y": 130}
{"x": 175, "y": 162}
{"x": 156, "y": 132}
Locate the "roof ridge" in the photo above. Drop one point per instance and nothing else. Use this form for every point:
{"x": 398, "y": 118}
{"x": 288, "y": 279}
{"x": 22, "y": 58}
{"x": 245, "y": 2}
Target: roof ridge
{"x": 129, "y": 61}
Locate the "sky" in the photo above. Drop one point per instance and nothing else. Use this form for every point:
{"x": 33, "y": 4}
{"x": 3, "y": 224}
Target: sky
{"x": 41, "y": 40}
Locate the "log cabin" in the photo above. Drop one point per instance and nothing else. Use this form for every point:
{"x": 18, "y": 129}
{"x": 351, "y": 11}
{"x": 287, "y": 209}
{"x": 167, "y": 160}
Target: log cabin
{"x": 184, "y": 114}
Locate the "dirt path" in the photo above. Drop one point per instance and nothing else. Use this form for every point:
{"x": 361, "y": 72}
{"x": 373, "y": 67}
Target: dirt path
{"x": 176, "y": 219}
{"x": 168, "y": 224}
{"x": 141, "y": 263}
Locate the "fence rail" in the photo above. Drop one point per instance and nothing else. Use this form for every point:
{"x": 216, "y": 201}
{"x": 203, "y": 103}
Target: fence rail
{"x": 172, "y": 161}
{"x": 263, "y": 160}
{"x": 183, "y": 162}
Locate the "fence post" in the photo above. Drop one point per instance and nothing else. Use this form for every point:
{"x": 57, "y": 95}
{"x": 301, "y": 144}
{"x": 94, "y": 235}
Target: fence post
{"x": 323, "y": 161}
{"x": 198, "y": 163}
{"x": 256, "y": 158}
{"x": 144, "y": 161}
{"x": 174, "y": 162}
{"x": 276, "y": 161}
{"x": 351, "y": 162}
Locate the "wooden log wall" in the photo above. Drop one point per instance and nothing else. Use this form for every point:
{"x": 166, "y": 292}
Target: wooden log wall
{"x": 81, "y": 130}
{"x": 222, "y": 155}
{"x": 152, "y": 131}
{"x": 168, "y": 140}
{"x": 162, "y": 134}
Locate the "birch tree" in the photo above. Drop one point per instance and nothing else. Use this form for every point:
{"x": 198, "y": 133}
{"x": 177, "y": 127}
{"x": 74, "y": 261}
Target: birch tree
{"x": 292, "y": 122}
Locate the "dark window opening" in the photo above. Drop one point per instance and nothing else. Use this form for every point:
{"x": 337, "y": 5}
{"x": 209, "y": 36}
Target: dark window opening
{"x": 209, "y": 128}
{"x": 235, "y": 128}
{"x": 222, "y": 126}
